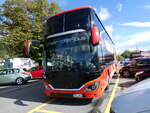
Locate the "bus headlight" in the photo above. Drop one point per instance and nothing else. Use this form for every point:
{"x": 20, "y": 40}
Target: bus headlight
{"x": 92, "y": 87}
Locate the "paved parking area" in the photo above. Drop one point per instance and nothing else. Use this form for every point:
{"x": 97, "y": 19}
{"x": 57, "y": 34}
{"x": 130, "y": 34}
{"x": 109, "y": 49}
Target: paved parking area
{"x": 29, "y": 98}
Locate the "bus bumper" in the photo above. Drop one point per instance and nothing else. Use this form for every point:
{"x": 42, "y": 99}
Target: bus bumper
{"x": 82, "y": 93}
{"x": 71, "y": 94}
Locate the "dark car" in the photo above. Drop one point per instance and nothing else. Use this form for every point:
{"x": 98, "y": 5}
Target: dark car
{"x": 36, "y": 72}
{"x": 135, "y": 99}
{"x": 125, "y": 62}
{"x": 141, "y": 75}
{"x": 137, "y": 64}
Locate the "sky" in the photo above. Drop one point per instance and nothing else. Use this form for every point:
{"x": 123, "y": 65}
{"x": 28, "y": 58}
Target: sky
{"x": 127, "y": 21}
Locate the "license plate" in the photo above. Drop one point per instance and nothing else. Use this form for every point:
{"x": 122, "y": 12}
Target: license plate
{"x": 77, "y": 95}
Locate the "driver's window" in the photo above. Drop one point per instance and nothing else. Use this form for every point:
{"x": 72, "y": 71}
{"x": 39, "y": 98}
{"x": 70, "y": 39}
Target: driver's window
{"x": 34, "y": 69}
{"x": 10, "y": 71}
{"x": 1, "y": 72}
{"x": 140, "y": 62}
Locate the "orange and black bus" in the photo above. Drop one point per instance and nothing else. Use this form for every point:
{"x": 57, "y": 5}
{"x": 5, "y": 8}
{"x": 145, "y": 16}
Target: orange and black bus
{"x": 79, "y": 55}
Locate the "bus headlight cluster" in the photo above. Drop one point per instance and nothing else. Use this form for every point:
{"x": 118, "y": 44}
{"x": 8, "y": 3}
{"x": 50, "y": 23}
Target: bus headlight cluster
{"x": 92, "y": 87}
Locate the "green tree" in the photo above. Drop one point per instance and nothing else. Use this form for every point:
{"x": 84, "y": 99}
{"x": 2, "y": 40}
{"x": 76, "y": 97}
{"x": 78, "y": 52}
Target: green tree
{"x": 3, "y": 50}
{"x": 120, "y": 57}
{"x": 22, "y": 20}
{"x": 126, "y": 54}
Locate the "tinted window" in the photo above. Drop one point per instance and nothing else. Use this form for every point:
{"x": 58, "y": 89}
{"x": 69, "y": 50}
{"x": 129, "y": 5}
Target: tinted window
{"x": 77, "y": 19}
{"x": 106, "y": 46}
{"x": 143, "y": 61}
{"x": 3, "y": 72}
{"x": 40, "y": 68}
{"x": 16, "y": 70}
{"x": 148, "y": 61}
{"x": 10, "y": 71}
{"x": 33, "y": 69}
{"x": 54, "y": 25}
{"x": 36, "y": 68}
{"x": 71, "y": 52}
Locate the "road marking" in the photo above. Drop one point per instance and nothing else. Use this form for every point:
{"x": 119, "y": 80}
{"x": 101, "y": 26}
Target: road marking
{"x": 46, "y": 111}
{"x": 112, "y": 96}
{"x": 42, "y": 105}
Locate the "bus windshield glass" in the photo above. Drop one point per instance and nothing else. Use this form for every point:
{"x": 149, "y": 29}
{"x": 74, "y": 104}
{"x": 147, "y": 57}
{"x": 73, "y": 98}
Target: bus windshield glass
{"x": 70, "y": 52}
{"x": 79, "y": 19}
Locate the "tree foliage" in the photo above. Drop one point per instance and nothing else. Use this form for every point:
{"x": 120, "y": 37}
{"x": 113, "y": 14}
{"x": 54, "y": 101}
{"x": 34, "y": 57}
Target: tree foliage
{"x": 22, "y": 20}
{"x": 126, "y": 54}
{"x": 120, "y": 57}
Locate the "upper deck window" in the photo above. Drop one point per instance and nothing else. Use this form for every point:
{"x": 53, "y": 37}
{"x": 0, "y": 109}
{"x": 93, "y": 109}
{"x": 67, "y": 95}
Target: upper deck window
{"x": 78, "y": 19}
{"x": 54, "y": 25}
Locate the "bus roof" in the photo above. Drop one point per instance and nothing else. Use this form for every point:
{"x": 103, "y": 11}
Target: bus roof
{"x": 83, "y": 7}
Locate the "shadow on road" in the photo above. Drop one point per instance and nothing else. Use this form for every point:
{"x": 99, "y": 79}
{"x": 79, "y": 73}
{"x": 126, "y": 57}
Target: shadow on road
{"x": 19, "y": 102}
{"x": 12, "y": 85}
{"x": 71, "y": 102}
{"x": 33, "y": 91}
{"x": 127, "y": 84}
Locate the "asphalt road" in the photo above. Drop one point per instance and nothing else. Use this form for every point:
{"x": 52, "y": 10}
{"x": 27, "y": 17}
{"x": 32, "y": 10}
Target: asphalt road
{"x": 29, "y": 98}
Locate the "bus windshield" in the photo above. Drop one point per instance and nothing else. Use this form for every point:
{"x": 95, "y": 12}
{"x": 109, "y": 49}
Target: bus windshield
{"x": 70, "y": 52}
{"x": 79, "y": 19}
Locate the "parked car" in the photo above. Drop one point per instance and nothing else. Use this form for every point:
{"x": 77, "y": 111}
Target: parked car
{"x": 125, "y": 62}
{"x": 135, "y": 99}
{"x": 137, "y": 64}
{"x": 141, "y": 75}
{"x": 15, "y": 75}
{"x": 36, "y": 72}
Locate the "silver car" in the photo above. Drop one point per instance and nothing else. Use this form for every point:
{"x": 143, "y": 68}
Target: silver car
{"x": 135, "y": 99}
{"x": 15, "y": 75}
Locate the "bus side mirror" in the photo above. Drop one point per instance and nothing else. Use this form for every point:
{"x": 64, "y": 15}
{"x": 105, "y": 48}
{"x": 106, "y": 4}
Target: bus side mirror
{"x": 29, "y": 45}
{"x": 95, "y": 35}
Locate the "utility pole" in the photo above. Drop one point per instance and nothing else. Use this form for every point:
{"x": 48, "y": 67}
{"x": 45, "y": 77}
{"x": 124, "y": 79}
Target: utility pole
{"x": 137, "y": 48}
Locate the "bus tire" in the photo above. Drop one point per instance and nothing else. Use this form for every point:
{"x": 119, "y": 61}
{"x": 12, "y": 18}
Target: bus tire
{"x": 137, "y": 79}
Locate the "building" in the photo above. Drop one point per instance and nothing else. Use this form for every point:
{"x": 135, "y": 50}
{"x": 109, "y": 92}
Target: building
{"x": 19, "y": 63}
{"x": 140, "y": 54}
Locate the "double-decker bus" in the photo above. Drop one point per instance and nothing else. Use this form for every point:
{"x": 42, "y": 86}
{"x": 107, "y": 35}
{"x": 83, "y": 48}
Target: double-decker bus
{"x": 79, "y": 55}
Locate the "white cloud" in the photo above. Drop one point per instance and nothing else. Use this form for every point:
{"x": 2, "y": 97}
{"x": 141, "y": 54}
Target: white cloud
{"x": 104, "y": 14}
{"x": 119, "y": 7}
{"x": 109, "y": 29}
{"x": 147, "y": 7}
{"x": 133, "y": 48}
{"x": 117, "y": 37}
{"x": 137, "y": 24}
{"x": 135, "y": 39}
{"x": 95, "y": 9}
{"x": 145, "y": 48}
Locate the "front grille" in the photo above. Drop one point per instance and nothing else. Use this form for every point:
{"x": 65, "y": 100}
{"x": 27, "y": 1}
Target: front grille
{"x": 68, "y": 80}
{"x": 61, "y": 95}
